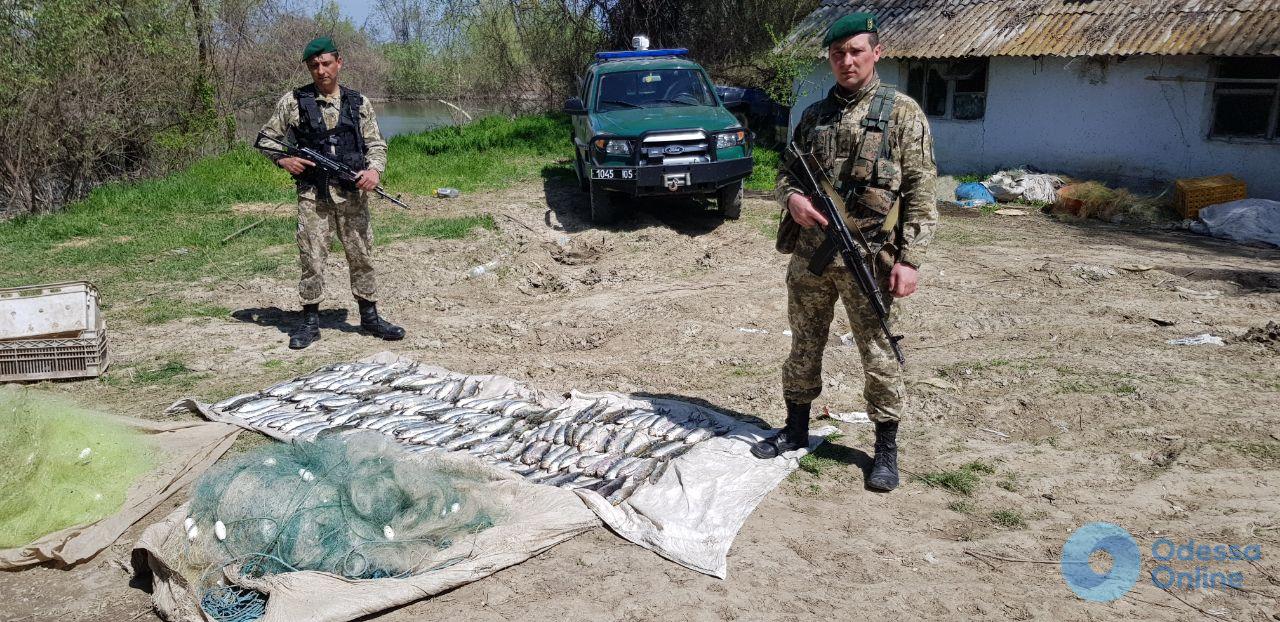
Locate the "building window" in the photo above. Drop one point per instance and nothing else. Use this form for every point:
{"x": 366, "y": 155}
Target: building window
{"x": 950, "y": 89}
{"x": 1246, "y": 98}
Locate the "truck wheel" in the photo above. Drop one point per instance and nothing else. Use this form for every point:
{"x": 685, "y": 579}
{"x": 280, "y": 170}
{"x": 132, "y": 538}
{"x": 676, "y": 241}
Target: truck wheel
{"x": 603, "y": 209}
{"x": 581, "y": 170}
{"x": 729, "y": 198}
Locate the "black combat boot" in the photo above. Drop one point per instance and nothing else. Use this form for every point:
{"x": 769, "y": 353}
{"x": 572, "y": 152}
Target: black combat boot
{"x": 375, "y": 325}
{"x": 884, "y": 472}
{"x": 308, "y": 332}
{"x": 794, "y": 435}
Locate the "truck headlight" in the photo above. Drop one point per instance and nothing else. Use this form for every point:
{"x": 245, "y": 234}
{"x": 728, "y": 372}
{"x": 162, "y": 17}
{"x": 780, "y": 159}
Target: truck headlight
{"x": 724, "y": 140}
{"x": 614, "y": 147}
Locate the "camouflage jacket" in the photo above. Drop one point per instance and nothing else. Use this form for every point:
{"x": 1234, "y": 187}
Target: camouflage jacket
{"x": 910, "y": 147}
{"x": 285, "y": 120}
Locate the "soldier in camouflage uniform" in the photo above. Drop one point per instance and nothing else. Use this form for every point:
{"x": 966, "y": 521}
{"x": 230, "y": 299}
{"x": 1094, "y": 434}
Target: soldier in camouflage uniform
{"x": 894, "y": 176}
{"x": 338, "y": 122}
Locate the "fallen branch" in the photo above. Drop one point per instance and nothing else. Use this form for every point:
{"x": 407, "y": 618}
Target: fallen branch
{"x": 464, "y": 112}
{"x": 242, "y": 230}
{"x": 1017, "y": 559}
{"x": 996, "y": 432}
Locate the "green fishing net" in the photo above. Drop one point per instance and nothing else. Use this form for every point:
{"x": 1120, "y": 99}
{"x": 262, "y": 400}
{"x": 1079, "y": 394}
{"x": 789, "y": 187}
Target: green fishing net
{"x": 352, "y": 504}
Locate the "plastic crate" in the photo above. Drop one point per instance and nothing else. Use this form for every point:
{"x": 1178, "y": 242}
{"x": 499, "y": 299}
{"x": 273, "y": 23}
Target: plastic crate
{"x": 60, "y": 333}
{"x": 1191, "y": 195}
{"x": 25, "y": 360}
{"x": 49, "y": 311}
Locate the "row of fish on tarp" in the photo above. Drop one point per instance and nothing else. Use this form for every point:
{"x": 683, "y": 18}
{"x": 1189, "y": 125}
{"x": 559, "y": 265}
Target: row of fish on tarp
{"x": 608, "y": 445}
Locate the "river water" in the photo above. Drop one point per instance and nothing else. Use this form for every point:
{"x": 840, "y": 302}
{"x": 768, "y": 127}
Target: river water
{"x": 394, "y": 118}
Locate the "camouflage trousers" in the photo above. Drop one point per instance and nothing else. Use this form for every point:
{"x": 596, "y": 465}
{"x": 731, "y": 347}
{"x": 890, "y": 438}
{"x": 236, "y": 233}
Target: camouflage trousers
{"x": 811, "y": 303}
{"x": 318, "y": 220}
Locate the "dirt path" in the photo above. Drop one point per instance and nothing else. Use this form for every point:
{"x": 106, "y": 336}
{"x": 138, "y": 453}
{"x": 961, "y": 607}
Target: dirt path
{"x": 1035, "y": 347}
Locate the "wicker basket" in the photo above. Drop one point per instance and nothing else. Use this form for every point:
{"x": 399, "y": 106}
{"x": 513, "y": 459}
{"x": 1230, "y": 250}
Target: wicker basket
{"x": 1191, "y": 195}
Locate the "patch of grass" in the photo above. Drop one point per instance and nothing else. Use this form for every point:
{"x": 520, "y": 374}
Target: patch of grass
{"x": 161, "y": 310}
{"x": 171, "y": 229}
{"x": 968, "y": 178}
{"x": 963, "y": 506}
{"x": 765, "y": 174}
{"x": 1265, "y": 452}
{"x": 166, "y": 373}
{"x": 489, "y": 153}
{"x": 826, "y": 457}
{"x": 274, "y": 364}
{"x": 60, "y": 466}
{"x": 1009, "y": 483}
{"x": 1009, "y": 519}
{"x": 963, "y": 481}
{"x": 400, "y": 226}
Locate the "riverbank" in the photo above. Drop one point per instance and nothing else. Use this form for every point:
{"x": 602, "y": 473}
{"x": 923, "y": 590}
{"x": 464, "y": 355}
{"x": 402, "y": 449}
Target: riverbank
{"x": 1038, "y": 400}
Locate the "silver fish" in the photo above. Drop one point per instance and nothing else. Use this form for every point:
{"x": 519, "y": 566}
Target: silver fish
{"x": 561, "y": 479}
{"x": 564, "y": 460}
{"x": 638, "y": 443}
{"x": 282, "y": 389}
{"x": 658, "y": 471}
{"x": 623, "y": 491}
{"x": 552, "y": 455}
{"x": 619, "y": 441}
{"x": 465, "y": 441}
{"x": 232, "y": 402}
{"x": 534, "y": 452}
{"x": 584, "y": 481}
{"x": 595, "y": 439}
{"x": 662, "y": 450}
{"x": 609, "y": 487}
{"x": 617, "y": 467}
{"x": 639, "y": 469}
{"x": 700, "y": 434}
{"x": 257, "y": 406}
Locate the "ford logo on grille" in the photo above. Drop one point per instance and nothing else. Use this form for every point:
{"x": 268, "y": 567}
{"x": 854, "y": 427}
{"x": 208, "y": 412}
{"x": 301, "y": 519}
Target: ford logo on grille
{"x": 673, "y": 150}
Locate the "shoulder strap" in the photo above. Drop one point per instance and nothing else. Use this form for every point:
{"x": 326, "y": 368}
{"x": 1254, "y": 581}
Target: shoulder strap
{"x": 308, "y": 110}
{"x": 351, "y": 103}
{"x": 875, "y": 127}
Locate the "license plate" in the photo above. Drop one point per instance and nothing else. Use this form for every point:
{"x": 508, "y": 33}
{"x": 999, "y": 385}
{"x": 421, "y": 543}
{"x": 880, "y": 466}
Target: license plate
{"x": 613, "y": 173}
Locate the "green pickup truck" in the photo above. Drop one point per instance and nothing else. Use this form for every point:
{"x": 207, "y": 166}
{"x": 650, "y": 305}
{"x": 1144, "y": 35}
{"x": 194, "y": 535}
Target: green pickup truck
{"x": 650, "y": 123}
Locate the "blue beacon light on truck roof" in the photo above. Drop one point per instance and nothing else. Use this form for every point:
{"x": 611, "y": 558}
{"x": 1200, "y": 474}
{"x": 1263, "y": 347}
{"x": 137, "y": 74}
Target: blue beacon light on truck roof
{"x": 641, "y": 54}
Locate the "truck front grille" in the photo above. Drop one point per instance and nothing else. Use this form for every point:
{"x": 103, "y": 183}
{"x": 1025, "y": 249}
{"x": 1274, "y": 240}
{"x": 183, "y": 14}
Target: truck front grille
{"x": 689, "y": 147}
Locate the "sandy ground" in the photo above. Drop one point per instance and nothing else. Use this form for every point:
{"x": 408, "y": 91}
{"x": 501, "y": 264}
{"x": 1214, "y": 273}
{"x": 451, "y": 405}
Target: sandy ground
{"x": 1034, "y": 345}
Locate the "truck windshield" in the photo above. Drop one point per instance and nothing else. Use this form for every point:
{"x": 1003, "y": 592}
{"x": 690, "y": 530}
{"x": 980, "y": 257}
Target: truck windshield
{"x": 652, "y": 88}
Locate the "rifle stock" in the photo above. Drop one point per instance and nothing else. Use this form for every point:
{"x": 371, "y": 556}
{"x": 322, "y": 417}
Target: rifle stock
{"x": 840, "y": 240}
{"x": 325, "y": 163}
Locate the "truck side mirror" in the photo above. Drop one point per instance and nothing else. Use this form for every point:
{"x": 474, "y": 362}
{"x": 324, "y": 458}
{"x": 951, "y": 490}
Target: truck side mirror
{"x": 573, "y": 105}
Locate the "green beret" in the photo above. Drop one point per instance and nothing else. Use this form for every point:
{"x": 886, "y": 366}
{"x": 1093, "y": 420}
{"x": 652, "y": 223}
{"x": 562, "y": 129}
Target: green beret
{"x": 849, "y": 25}
{"x": 318, "y": 46}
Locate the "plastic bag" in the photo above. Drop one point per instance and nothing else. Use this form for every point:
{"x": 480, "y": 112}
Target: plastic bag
{"x": 972, "y": 194}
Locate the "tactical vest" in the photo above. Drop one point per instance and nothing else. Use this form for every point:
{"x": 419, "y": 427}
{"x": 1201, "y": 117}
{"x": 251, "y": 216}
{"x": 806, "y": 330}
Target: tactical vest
{"x": 872, "y": 184}
{"x": 344, "y": 143}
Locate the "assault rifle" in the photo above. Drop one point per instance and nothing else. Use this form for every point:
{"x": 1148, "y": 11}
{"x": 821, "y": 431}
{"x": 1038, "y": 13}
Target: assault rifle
{"x": 325, "y": 163}
{"x": 854, "y": 252}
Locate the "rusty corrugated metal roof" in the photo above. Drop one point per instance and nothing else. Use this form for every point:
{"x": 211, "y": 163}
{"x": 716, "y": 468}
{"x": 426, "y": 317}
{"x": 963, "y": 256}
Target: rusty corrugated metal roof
{"x": 954, "y": 28}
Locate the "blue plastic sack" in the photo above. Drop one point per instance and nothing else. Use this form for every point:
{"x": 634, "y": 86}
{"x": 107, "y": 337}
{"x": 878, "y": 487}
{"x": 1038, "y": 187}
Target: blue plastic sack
{"x": 974, "y": 193}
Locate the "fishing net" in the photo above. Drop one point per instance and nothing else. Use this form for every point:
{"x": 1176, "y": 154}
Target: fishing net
{"x": 352, "y": 504}
{"x": 61, "y": 465}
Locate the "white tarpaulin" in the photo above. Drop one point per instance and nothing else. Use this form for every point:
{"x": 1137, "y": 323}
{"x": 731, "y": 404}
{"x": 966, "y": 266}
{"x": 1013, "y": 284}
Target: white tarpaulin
{"x": 1247, "y": 220}
{"x": 689, "y": 512}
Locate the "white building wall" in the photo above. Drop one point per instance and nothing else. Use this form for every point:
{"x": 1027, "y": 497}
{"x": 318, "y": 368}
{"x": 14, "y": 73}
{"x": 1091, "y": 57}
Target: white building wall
{"x": 1105, "y": 121}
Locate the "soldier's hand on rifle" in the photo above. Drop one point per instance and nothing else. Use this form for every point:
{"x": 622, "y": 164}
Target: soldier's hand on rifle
{"x": 803, "y": 211}
{"x": 295, "y": 166}
{"x": 902, "y": 280}
{"x": 368, "y": 180}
